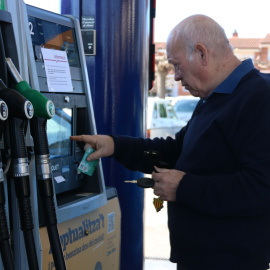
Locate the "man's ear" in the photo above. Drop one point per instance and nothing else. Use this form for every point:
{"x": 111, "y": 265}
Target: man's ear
{"x": 202, "y": 53}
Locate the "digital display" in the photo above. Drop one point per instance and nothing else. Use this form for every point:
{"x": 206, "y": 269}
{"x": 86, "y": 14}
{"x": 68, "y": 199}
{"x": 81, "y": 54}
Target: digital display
{"x": 54, "y": 36}
{"x": 59, "y": 130}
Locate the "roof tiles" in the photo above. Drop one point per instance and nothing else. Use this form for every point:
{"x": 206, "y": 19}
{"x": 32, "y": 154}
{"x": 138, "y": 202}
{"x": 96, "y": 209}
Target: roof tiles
{"x": 236, "y": 42}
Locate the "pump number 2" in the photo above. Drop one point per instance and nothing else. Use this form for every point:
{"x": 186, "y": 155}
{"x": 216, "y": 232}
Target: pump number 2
{"x": 31, "y": 27}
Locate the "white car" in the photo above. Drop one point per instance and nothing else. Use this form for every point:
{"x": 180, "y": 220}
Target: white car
{"x": 184, "y": 106}
{"x": 161, "y": 118}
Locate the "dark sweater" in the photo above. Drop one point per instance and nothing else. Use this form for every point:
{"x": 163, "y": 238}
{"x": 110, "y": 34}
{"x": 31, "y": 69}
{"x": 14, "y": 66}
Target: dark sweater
{"x": 221, "y": 219}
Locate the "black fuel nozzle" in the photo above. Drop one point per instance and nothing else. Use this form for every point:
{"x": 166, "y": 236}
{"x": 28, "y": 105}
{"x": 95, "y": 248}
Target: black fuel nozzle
{"x": 3, "y": 115}
{"x": 18, "y": 106}
{"x": 5, "y": 247}
{"x": 3, "y": 111}
{"x": 20, "y": 111}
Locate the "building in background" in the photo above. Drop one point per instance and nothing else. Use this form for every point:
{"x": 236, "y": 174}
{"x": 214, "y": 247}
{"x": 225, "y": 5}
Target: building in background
{"x": 258, "y": 49}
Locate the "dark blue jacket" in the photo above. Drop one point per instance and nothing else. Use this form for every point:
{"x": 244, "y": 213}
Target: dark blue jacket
{"x": 221, "y": 219}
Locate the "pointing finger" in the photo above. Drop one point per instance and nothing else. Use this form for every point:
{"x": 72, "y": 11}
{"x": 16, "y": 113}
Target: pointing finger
{"x": 76, "y": 138}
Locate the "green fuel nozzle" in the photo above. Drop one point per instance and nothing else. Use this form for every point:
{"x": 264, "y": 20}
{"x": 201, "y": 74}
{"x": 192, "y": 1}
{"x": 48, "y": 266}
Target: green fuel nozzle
{"x": 2, "y": 5}
{"x": 43, "y": 107}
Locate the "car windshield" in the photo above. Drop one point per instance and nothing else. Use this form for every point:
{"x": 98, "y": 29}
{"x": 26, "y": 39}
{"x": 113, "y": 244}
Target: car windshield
{"x": 171, "y": 112}
{"x": 165, "y": 111}
{"x": 185, "y": 105}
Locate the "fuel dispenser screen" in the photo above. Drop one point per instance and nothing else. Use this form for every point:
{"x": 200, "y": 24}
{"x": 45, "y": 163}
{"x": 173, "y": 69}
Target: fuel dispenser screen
{"x": 59, "y": 130}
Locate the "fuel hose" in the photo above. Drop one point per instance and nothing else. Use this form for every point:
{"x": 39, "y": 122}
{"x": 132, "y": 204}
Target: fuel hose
{"x": 7, "y": 256}
{"x": 43, "y": 109}
{"x": 45, "y": 186}
{"x": 20, "y": 111}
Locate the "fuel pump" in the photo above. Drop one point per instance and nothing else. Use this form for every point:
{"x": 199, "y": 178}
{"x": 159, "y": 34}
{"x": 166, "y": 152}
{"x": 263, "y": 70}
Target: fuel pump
{"x": 88, "y": 212}
{"x": 5, "y": 248}
{"x": 43, "y": 110}
{"x": 20, "y": 111}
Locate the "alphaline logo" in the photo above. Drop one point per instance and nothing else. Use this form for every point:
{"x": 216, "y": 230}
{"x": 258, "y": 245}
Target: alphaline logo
{"x": 87, "y": 227}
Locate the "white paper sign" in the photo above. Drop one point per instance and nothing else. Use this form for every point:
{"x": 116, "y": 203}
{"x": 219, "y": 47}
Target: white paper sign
{"x": 57, "y": 70}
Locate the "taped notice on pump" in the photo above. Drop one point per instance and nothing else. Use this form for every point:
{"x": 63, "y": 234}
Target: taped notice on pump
{"x": 57, "y": 70}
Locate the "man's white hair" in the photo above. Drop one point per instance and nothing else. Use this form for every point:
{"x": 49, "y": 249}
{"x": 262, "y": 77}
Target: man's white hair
{"x": 202, "y": 29}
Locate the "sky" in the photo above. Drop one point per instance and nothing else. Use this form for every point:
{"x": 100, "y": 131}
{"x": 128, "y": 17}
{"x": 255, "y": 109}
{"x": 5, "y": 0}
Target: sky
{"x": 51, "y": 5}
{"x": 251, "y": 19}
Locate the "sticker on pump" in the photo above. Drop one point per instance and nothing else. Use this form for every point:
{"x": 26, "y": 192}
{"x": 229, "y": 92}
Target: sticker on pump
{"x": 59, "y": 179}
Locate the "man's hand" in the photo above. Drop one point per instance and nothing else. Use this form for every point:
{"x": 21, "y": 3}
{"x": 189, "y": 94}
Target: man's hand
{"x": 103, "y": 144}
{"x": 166, "y": 183}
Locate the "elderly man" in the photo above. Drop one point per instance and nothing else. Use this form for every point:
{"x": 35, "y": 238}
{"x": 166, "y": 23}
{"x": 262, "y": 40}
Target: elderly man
{"x": 218, "y": 191}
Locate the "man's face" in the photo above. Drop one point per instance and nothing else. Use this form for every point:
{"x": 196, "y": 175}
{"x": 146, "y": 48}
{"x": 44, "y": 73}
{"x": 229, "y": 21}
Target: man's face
{"x": 188, "y": 71}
